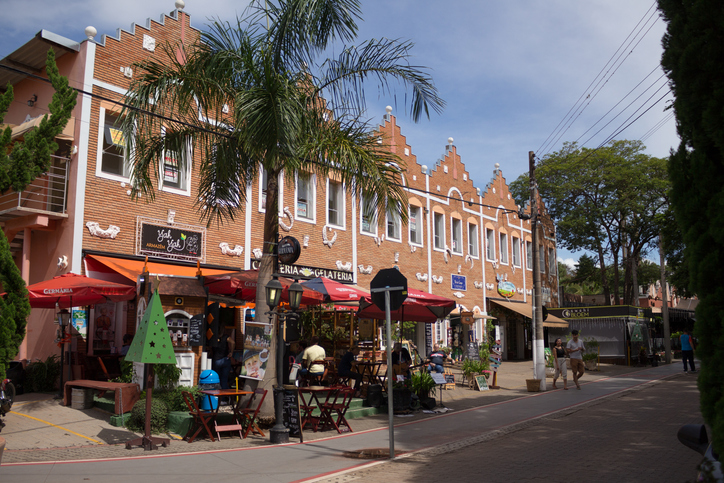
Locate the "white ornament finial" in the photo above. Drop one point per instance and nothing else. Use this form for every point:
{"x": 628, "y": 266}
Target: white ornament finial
{"x": 388, "y": 109}
{"x": 180, "y": 4}
{"x": 90, "y": 32}
{"x": 450, "y": 141}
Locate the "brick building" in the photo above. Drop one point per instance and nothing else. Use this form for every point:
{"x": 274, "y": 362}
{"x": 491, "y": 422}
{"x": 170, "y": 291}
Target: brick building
{"x": 461, "y": 242}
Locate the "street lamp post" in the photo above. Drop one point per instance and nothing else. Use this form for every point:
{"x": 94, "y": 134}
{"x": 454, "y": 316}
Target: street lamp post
{"x": 279, "y": 433}
{"x": 63, "y": 321}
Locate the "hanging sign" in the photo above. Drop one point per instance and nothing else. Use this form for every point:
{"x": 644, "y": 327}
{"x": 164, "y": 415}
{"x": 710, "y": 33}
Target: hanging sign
{"x": 170, "y": 242}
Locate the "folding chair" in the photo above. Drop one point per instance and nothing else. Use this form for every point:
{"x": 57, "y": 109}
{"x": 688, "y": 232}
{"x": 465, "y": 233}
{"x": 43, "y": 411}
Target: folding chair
{"x": 249, "y": 413}
{"x": 335, "y": 410}
{"x": 202, "y": 418}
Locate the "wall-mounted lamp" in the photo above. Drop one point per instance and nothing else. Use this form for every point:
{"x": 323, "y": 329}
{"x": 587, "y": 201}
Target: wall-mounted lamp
{"x": 32, "y": 100}
{"x": 426, "y": 210}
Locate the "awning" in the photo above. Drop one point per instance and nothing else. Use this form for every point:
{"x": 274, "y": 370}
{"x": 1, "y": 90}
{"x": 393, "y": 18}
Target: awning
{"x": 527, "y": 311}
{"x": 22, "y": 129}
{"x": 121, "y": 270}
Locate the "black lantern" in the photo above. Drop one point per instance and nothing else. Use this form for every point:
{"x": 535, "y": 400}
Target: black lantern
{"x": 273, "y": 293}
{"x": 295, "y": 295}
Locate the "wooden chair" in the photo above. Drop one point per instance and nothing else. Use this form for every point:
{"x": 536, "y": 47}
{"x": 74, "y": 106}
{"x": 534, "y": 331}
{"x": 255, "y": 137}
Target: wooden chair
{"x": 202, "y": 419}
{"x": 316, "y": 378}
{"x": 334, "y": 411}
{"x": 249, "y": 413}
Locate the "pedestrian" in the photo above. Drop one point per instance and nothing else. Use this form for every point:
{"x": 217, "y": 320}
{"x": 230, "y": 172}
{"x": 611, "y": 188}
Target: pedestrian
{"x": 575, "y": 350}
{"x": 687, "y": 350}
{"x": 223, "y": 349}
{"x": 559, "y": 358}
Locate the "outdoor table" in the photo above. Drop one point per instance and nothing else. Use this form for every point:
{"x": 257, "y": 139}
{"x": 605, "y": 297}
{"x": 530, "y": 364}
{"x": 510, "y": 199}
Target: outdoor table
{"x": 371, "y": 370}
{"x": 310, "y": 401}
{"x": 235, "y": 407}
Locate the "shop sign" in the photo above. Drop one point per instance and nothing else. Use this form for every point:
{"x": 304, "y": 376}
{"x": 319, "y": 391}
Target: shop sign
{"x": 171, "y": 242}
{"x": 458, "y": 282}
{"x": 288, "y": 250}
{"x": 506, "y": 289}
{"x": 306, "y": 273}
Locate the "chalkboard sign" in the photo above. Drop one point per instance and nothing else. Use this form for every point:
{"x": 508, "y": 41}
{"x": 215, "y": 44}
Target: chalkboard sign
{"x": 482, "y": 383}
{"x": 292, "y": 416}
{"x": 449, "y": 378}
{"x": 196, "y": 330}
{"x": 473, "y": 353}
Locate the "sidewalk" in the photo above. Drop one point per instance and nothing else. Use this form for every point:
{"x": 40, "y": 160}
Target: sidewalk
{"x": 40, "y": 430}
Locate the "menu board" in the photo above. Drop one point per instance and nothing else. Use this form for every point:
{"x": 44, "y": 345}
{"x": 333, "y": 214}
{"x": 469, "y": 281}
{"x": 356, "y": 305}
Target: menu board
{"x": 292, "y": 418}
{"x": 196, "y": 330}
{"x": 473, "y": 353}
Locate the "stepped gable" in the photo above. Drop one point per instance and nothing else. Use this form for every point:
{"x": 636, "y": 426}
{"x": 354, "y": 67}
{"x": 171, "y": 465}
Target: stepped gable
{"x": 148, "y": 27}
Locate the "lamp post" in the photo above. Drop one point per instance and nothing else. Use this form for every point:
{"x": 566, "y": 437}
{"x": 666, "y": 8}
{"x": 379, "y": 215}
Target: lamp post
{"x": 63, "y": 321}
{"x": 279, "y": 433}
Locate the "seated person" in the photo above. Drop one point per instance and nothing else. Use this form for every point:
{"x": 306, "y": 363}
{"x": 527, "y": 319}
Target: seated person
{"x": 311, "y": 354}
{"x": 301, "y": 347}
{"x": 344, "y": 369}
{"x": 401, "y": 360}
{"x": 436, "y": 359}
{"x": 127, "y": 339}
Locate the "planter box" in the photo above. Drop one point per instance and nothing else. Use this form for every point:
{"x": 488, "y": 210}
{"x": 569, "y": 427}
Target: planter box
{"x": 533, "y": 385}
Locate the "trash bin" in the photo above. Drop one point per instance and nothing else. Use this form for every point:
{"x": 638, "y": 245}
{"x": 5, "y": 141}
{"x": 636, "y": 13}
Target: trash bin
{"x": 209, "y": 380}
{"x": 374, "y": 395}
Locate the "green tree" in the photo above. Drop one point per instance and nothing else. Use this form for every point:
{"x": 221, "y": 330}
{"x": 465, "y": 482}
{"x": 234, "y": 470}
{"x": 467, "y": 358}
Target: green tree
{"x": 288, "y": 113}
{"x": 20, "y": 164}
{"x": 606, "y": 201}
{"x": 693, "y": 50}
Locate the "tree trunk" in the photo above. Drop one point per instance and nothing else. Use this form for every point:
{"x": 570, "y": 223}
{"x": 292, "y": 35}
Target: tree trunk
{"x": 604, "y": 278}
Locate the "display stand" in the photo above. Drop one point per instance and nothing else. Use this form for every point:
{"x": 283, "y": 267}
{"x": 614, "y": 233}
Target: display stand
{"x": 440, "y": 381}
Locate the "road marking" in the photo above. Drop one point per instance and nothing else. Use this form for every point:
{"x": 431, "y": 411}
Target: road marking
{"x": 56, "y": 426}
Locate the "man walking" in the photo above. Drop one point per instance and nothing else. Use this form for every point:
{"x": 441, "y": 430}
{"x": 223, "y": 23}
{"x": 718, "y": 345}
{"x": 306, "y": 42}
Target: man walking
{"x": 575, "y": 350}
{"x": 687, "y": 350}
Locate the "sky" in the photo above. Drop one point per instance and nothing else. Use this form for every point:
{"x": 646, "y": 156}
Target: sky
{"x": 516, "y": 75}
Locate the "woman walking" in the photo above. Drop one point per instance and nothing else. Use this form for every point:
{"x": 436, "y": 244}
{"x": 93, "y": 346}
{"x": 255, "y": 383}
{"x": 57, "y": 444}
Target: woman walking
{"x": 559, "y": 358}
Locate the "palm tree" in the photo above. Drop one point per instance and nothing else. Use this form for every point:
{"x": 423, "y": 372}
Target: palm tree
{"x": 254, "y": 96}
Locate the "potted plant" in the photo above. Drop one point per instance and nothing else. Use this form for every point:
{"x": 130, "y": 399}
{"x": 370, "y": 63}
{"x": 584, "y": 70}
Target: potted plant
{"x": 590, "y": 356}
{"x": 401, "y": 395}
{"x": 550, "y": 363}
{"x": 422, "y": 384}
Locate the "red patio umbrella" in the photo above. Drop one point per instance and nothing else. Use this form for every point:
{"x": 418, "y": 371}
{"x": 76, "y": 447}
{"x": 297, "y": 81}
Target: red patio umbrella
{"x": 419, "y": 306}
{"x": 334, "y": 291}
{"x": 242, "y": 286}
{"x": 73, "y": 290}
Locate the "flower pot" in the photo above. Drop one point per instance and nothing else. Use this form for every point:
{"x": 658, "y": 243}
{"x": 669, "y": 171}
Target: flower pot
{"x": 533, "y": 385}
{"x": 550, "y": 371}
{"x": 591, "y": 365}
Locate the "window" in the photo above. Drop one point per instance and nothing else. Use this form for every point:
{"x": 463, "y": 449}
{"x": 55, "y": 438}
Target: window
{"x": 113, "y": 160}
{"x": 551, "y": 262}
{"x": 305, "y": 196}
{"x": 541, "y": 259}
{"x": 172, "y": 177}
{"x": 439, "y": 230}
{"x": 490, "y": 241}
{"x": 473, "y": 240}
{"x": 335, "y": 204}
{"x": 457, "y": 236}
{"x": 516, "y": 251}
{"x": 504, "y": 248}
{"x": 529, "y": 255}
{"x": 415, "y": 225}
{"x": 393, "y": 225}
{"x": 263, "y": 184}
{"x": 368, "y": 217}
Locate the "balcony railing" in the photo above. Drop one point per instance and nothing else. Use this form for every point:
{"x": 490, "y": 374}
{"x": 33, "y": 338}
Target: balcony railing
{"x": 46, "y": 194}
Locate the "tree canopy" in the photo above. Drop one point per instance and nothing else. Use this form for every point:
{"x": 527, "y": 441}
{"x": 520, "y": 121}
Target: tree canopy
{"x": 255, "y": 99}
{"x": 693, "y": 49}
{"x": 607, "y": 201}
{"x": 20, "y": 164}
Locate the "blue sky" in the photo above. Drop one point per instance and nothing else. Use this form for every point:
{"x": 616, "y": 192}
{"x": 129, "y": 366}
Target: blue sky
{"x": 510, "y": 71}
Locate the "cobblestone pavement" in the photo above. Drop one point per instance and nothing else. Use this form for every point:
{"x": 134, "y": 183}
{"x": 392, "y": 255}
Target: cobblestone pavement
{"x": 629, "y": 436}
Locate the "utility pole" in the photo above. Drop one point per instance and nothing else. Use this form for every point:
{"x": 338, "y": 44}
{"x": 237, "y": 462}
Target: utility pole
{"x": 664, "y": 301}
{"x": 539, "y": 366}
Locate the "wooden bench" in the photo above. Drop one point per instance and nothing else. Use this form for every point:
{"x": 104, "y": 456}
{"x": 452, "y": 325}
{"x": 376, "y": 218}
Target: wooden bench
{"x": 127, "y": 394}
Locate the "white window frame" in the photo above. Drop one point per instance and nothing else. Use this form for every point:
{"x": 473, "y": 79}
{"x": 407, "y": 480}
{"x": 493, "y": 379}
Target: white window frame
{"x": 473, "y": 241}
{"x": 552, "y": 262}
{"x": 456, "y": 232}
{"x": 263, "y": 184}
{"x": 373, "y": 218}
{"x": 542, "y": 258}
{"x": 416, "y": 214}
{"x": 393, "y": 221}
{"x": 490, "y": 244}
{"x": 515, "y": 245}
{"x": 341, "y": 201}
{"x": 438, "y": 231}
{"x": 99, "y": 158}
{"x": 309, "y": 216}
{"x": 503, "y": 240}
{"x": 185, "y": 174}
{"x": 529, "y": 255}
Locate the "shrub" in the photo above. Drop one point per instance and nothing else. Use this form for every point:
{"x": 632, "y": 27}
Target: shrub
{"x": 159, "y": 416}
{"x": 174, "y": 399}
{"x": 423, "y": 384}
{"x": 167, "y": 375}
{"x": 42, "y": 376}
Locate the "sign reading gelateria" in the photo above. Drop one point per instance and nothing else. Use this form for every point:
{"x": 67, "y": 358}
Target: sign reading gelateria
{"x": 304, "y": 272}
{"x": 179, "y": 242}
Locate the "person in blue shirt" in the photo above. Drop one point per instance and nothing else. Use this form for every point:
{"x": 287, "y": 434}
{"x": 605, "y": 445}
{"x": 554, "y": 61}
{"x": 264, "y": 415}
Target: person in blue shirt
{"x": 687, "y": 350}
{"x": 345, "y": 366}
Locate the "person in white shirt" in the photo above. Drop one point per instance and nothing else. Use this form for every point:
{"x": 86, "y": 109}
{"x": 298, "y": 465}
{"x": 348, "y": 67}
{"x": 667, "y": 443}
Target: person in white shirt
{"x": 575, "y": 350}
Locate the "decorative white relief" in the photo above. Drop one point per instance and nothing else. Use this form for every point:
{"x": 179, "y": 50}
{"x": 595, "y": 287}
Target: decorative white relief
{"x": 495, "y": 264}
{"x": 63, "y": 262}
{"x": 149, "y": 43}
{"x": 528, "y": 292}
{"x": 465, "y": 177}
{"x": 478, "y": 285}
{"x": 379, "y": 240}
{"x": 257, "y": 253}
{"x": 347, "y": 267}
{"x": 490, "y": 286}
{"x": 445, "y": 169}
{"x": 325, "y": 240}
{"x": 520, "y": 291}
{"x": 283, "y": 225}
{"x": 365, "y": 271}
{"x": 127, "y": 72}
{"x": 227, "y": 250}
{"x": 438, "y": 187}
{"x": 225, "y": 108}
{"x": 422, "y": 277}
{"x": 470, "y": 259}
{"x": 397, "y": 257}
{"x": 447, "y": 254}
{"x": 436, "y": 279}
{"x": 459, "y": 294}
{"x": 305, "y": 243}
{"x": 460, "y": 267}
{"x": 413, "y": 248}
{"x": 111, "y": 232}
